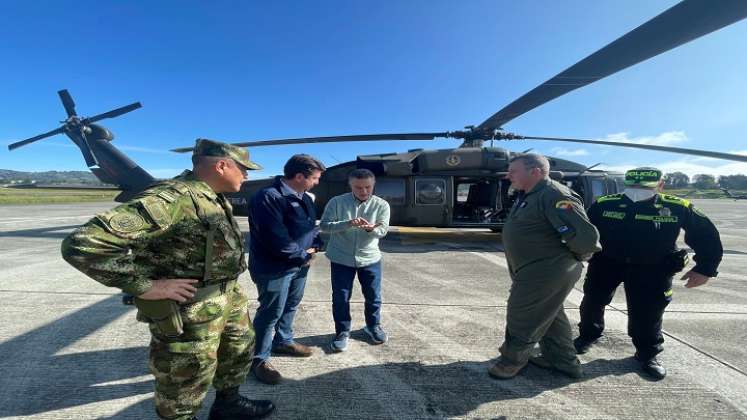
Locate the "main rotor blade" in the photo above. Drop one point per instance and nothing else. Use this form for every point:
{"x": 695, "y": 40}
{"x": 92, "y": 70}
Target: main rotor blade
{"x": 115, "y": 112}
{"x": 67, "y": 102}
{"x": 682, "y": 150}
{"x": 333, "y": 139}
{"x": 18, "y": 144}
{"x": 678, "y": 25}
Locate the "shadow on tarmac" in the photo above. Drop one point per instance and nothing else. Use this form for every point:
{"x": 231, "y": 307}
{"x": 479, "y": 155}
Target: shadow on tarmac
{"x": 37, "y": 379}
{"x": 51, "y": 232}
{"x": 444, "y": 390}
{"x": 48, "y": 381}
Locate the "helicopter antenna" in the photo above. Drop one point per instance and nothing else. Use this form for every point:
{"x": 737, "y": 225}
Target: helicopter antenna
{"x": 588, "y": 168}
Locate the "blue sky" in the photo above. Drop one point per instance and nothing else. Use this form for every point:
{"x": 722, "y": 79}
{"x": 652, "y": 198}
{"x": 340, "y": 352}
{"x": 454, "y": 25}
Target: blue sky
{"x": 239, "y": 71}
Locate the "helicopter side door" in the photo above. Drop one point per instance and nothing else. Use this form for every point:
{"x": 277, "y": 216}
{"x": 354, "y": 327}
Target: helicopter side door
{"x": 432, "y": 200}
{"x": 591, "y": 187}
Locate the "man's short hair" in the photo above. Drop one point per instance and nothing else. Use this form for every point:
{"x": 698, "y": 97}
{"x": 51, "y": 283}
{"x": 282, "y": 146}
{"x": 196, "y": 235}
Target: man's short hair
{"x": 206, "y": 160}
{"x": 361, "y": 174}
{"x": 533, "y": 160}
{"x": 302, "y": 164}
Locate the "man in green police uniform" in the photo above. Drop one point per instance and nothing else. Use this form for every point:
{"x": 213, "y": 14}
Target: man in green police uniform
{"x": 178, "y": 249}
{"x": 639, "y": 230}
{"x": 546, "y": 237}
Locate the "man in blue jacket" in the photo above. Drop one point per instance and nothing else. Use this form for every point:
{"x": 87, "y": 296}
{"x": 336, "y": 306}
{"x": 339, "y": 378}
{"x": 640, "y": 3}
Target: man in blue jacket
{"x": 283, "y": 240}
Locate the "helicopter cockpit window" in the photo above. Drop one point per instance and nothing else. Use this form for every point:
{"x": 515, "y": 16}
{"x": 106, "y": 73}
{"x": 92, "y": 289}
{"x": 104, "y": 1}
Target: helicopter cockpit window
{"x": 430, "y": 191}
{"x": 598, "y": 188}
{"x": 391, "y": 190}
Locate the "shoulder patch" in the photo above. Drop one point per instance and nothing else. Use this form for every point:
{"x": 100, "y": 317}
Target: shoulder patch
{"x": 673, "y": 199}
{"x": 126, "y": 222}
{"x": 167, "y": 196}
{"x": 157, "y": 210}
{"x": 564, "y": 205}
{"x": 611, "y": 197}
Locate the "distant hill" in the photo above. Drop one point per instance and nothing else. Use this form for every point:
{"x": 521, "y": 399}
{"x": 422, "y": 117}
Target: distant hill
{"x": 77, "y": 178}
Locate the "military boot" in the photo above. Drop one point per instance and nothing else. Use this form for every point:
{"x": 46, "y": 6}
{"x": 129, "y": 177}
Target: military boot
{"x": 230, "y": 405}
{"x": 574, "y": 371}
{"x": 503, "y": 369}
{"x": 653, "y": 368}
{"x": 583, "y": 344}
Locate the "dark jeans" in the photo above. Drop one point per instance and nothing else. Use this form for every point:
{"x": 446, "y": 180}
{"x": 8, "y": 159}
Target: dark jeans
{"x": 279, "y": 297}
{"x": 648, "y": 291}
{"x": 342, "y": 285}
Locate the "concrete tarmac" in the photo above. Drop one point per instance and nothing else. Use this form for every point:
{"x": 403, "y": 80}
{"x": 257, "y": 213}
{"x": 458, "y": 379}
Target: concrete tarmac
{"x": 70, "y": 350}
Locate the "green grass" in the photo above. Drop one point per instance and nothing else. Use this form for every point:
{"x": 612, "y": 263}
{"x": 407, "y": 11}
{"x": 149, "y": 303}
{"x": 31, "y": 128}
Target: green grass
{"x": 53, "y": 196}
{"x": 692, "y": 193}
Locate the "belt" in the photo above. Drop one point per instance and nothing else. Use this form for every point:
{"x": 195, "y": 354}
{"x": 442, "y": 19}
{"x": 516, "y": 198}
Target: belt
{"x": 211, "y": 290}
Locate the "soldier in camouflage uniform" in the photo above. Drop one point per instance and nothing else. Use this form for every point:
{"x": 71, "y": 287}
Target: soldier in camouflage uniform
{"x": 178, "y": 249}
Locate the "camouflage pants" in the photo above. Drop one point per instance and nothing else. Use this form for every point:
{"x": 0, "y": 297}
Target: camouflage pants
{"x": 216, "y": 348}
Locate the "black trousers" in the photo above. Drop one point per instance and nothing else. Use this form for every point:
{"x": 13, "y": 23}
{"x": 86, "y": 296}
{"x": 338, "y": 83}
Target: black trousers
{"x": 648, "y": 291}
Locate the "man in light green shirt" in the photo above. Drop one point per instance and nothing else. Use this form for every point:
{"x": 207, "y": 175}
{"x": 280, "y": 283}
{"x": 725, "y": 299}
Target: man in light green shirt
{"x": 355, "y": 223}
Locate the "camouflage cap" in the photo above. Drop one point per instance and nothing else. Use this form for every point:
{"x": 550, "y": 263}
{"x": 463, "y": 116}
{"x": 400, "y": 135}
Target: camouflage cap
{"x": 205, "y": 147}
{"x": 643, "y": 177}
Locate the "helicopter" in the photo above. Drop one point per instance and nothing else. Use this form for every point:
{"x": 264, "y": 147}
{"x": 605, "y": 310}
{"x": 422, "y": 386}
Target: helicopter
{"x": 454, "y": 187}
{"x": 730, "y": 194}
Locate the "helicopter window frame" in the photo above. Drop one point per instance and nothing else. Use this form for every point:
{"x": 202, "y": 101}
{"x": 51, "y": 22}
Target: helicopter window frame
{"x": 393, "y": 190}
{"x": 598, "y": 187}
{"x": 431, "y": 181}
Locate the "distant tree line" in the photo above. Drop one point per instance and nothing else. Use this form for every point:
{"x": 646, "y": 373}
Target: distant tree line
{"x": 679, "y": 180}
{"x": 49, "y": 177}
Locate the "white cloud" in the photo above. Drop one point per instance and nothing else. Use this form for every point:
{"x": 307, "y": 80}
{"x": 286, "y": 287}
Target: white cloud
{"x": 562, "y": 151}
{"x": 667, "y": 138}
{"x": 690, "y": 166}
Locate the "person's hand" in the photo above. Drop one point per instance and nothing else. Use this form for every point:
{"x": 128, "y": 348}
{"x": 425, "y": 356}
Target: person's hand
{"x": 179, "y": 290}
{"x": 369, "y": 227}
{"x": 359, "y": 222}
{"x": 312, "y": 252}
{"x": 694, "y": 279}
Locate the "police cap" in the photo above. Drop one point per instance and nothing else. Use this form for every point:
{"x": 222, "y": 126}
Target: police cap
{"x": 643, "y": 177}
{"x": 205, "y": 147}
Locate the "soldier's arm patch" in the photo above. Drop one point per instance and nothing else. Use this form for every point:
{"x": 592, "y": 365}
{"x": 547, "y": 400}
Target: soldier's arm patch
{"x": 126, "y": 222}
{"x": 157, "y": 210}
{"x": 564, "y": 205}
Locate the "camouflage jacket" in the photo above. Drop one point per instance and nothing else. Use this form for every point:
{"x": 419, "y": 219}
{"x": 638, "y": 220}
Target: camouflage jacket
{"x": 161, "y": 234}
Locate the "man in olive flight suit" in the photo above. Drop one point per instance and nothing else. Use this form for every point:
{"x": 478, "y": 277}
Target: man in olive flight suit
{"x": 639, "y": 230}
{"x": 177, "y": 248}
{"x": 546, "y": 237}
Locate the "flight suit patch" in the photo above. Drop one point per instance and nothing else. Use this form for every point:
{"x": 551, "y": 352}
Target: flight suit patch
{"x": 564, "y": 205}
{"x": 126, "y": 222}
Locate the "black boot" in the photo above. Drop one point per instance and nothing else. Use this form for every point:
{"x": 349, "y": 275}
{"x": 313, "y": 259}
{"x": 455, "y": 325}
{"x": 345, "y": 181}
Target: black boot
{"x": 583, "y": 344}
{"x": 230, "y": 405}
{"x": 654, "y": 369}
